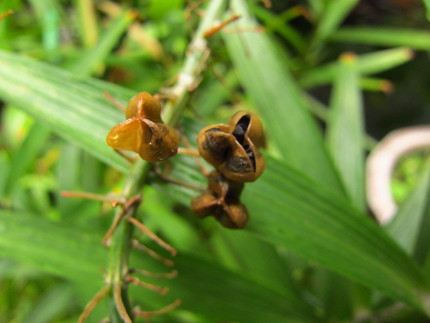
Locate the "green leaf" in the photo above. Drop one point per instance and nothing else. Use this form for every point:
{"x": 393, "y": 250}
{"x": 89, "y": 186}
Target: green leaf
{"x": 75, "y": 109}
{"x": 25, "y": 155}
{"x": 416, "y": 39}
{"x": 293, "y": 211}
{"x": 260, "y": 259}
{"x": 333, "y": 14}
{"x": 245, "y": 301}
{"x": 54, "y": 303}
{"x": 76, "y": 253}
{"x": 280, "y": 102}
{"x": 410, "y": 225}
{"x": 367, "y": 64}
{"x": 60, "y": 249}
{"x": 427, "y": 6}
{"x": 94, "y": 57}
{"x": 345, "y": 130}
{"x": 279, "y": 23}
{"x": 290, "y": 210}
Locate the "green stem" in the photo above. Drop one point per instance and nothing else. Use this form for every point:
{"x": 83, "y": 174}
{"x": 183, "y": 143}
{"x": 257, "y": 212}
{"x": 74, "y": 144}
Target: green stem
{"x": 122, "y": 237}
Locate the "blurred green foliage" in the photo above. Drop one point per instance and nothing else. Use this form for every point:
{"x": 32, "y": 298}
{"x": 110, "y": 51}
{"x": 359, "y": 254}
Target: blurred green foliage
{"x": 310, "y": 252}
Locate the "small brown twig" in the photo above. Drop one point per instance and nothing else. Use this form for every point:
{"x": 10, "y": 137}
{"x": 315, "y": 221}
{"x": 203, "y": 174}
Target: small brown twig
{"x": 169, "y": 275}
{"x": 93, "y": 303}
{"x": 114, "y": 101}
{"x": 153, "y": 236}
{"x": 138, "y": 313}
{"x": 152, "y": 253}
{"x": 137, "y": 281}
{"x": 218, "y": 27}
{"x": 6, "y": 14}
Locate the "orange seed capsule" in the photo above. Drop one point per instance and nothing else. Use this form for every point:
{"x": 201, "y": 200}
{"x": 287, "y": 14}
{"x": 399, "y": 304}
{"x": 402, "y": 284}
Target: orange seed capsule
{"x": 144, "y": 132}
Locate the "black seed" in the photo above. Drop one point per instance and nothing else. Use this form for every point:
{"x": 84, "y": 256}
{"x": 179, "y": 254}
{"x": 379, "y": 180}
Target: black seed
{"x": 241, "y": 128}
{"x": 251, "y": 155}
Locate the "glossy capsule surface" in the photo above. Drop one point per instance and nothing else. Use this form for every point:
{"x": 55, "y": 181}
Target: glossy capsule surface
{"x": 144, "y": 132}
{"x": 233, "y": 149}
{"x": 221, "y": 200}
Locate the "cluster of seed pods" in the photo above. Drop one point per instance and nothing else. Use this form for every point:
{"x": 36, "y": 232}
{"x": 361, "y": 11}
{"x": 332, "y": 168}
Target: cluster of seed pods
{"x": 233, "y": 150}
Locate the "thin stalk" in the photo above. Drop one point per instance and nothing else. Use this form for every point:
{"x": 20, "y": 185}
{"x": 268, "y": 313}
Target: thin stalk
{"x": 122, "y": 238}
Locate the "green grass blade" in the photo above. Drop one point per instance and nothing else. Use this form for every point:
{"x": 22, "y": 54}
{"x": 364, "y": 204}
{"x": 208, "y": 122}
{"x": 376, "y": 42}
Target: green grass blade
{"x": 333, "y": 14}
{"x": 76, "y": 253}
{"x": 410, "y": 225}
{"x": 89, "y": 62}
{"x": 345, "y": 130}
{"x": 246, "y": 300}
{"x": 427, "y": 6}
{"x": 279, "y": 101}
{"x": 415, "y": 39}
{"x": 22, "y": 159}
{"x": 367, "y": 64}
{"x": 260, "y": 259}
{"x": 279, "y": 24}
{"x": 88, "y": 28}
{"x": 290, "y": 210}
{"x": 55, "y": 303}
{"x": 76, "y": 110}
{"x": 56, "y": 248}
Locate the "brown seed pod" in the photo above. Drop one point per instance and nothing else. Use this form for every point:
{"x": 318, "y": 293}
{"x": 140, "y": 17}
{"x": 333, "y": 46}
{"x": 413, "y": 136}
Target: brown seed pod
{"x": 233, "y": 215}
{"x": 143, "y": 131}
{"x": 231, "y": 148}
{"x": 222, "y": 201}
{"x": 144, "y": 105}
{"x": 251, "y": 125}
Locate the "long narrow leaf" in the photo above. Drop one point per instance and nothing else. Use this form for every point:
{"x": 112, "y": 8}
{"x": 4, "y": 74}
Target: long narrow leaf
{"x": 22, "y": 159}
{"x": 289, "y": 209}
{"x": 76, "y": 110}
{"x": 76, "y": 253}
{"x": 367, "y": 64}
{"x": 278, "y": 99}
{"x": 332, "y": 15}
{"x": 410, "y": 224}
{"x": 94, "y": 57}
{"x": 416, "y": 39}
{"x": 294, "y": 212}
{"x": 54, "y": 248}
{"x": 345, "y": 130}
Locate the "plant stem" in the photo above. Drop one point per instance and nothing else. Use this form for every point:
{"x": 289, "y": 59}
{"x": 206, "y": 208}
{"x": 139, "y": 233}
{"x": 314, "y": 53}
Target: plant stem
{"x": 121, "y": 240}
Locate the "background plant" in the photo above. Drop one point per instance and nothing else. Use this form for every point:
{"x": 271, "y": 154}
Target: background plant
{"x": 309, "y": 253}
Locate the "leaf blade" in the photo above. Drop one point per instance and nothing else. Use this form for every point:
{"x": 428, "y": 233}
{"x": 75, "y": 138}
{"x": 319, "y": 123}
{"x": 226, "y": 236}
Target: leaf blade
{"x": 345, "y": 130}
{"x": 318, "y": 225}
{"x": 73, "y": 108}
{"x": 279, "y": 100}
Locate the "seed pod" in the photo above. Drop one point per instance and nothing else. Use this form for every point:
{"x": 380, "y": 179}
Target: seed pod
{"x": 221, "y": 200}
{"x": 251, "y": 126}
{"x": 231, "y": 149}
{"x": 144, "y": 105}
{"x": 143, "y": 131}
{"x": 233, "y": 216}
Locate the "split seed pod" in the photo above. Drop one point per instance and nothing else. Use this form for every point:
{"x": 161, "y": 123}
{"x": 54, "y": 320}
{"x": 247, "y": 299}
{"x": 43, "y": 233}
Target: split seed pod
{"x": 222, "y": 201}
{"x": 233, "y": 148}
{"x": 144, "y": 132}
{"x": 252, "y": 127}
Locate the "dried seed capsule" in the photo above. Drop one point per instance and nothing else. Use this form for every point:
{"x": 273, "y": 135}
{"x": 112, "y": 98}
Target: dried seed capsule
{"x": 231, "y": 148}
{"x": 143, "y": 131}
{"x": 251, "y": 126}
{"x": 221, "y": 200}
